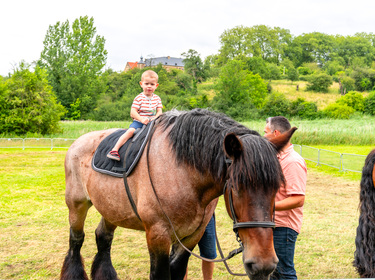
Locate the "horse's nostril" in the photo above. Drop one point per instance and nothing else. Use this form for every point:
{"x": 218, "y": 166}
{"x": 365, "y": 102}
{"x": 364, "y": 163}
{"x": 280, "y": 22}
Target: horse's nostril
{"x": 253, "y": 267}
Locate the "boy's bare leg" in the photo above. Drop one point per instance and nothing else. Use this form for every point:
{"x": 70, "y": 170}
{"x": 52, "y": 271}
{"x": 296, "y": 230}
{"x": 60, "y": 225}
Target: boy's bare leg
{"x": 207, "y": 270}
{"x": 122, "y": 140}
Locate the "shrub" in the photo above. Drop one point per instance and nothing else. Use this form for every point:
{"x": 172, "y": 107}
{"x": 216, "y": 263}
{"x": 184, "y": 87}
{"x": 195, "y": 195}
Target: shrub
{"x": 347, "y": 83}
{"x": 304, "y": 109}
{"x": 276, "y": 105}
{"x": 273, "y": 72}
{"x": 27, "y": 103}
{"x": 319, "y": 82}
{"x": 304, "y": 71}
{"x": 370, "y": 104}
{"x": 338, "y": 111}
{"x": 354, "y": 100}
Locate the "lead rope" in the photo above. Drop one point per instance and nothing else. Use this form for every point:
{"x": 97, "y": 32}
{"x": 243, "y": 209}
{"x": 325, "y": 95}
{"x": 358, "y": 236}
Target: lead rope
{"x": 230, "y": 255}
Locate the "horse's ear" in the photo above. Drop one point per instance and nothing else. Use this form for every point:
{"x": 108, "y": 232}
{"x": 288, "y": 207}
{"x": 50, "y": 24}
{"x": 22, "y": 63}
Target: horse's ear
{"x": 280, "y": 141}
{"x": 232, "y": 146}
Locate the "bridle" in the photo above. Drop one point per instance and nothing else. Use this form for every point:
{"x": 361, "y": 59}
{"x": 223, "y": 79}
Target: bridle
{"x": 236, "y": 224}
{"x": 251, "y": 224}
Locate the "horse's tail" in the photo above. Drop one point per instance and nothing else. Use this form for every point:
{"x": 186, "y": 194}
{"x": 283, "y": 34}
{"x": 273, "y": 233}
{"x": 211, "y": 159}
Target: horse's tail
{"x": 364, "y": 255}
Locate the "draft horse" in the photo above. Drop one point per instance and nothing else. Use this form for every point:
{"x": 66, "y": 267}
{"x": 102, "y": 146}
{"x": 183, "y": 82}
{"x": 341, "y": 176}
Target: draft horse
{"x": 364, "y": 255}
{"x": 187, "y": 163}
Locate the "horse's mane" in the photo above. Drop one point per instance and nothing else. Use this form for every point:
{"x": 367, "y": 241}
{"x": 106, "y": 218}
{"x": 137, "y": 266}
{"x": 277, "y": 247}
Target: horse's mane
{"x": 197, "y": 137}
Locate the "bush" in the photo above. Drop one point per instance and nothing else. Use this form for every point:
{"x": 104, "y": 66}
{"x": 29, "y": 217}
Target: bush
{"x": 304, "y": 109}
{"x": 347, "y": 83}
{"x": 370, "y": 104}
{"x": 114, "y": 111}
{"x": 304, "y": 71}
{"x": 338, "y": 111}
{"x": 276, "y": 105}
{"x": 354, "y": 100}
{"x": 319, "y": 82}
{"x": 27, "y": 103}
{"x": 364, "y": 78}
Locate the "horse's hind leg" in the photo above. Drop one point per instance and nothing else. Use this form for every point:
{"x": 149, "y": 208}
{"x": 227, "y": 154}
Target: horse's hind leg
{"x": 102, "y": 267}
{"x": 73, "y": 267}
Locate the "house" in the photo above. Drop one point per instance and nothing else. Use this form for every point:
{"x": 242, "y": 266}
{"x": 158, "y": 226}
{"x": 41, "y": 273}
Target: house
{"x": 166, "y": 61}
{"x": 130, "y": 65}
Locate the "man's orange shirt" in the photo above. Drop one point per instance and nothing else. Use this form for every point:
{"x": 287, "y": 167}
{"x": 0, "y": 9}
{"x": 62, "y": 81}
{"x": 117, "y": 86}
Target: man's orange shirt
{"x": 295, "y": 172}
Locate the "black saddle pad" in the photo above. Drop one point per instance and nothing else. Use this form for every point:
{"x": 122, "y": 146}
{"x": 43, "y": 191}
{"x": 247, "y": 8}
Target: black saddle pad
{"x": 102, "y": 164}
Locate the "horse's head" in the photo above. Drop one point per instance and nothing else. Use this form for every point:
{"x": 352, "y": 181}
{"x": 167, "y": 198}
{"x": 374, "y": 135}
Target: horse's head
{"x": 253, "y": 179}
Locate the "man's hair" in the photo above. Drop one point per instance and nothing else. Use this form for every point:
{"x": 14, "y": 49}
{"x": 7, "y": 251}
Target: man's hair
{"x": 150, "y": 74}
{"x": 279, "y": 123}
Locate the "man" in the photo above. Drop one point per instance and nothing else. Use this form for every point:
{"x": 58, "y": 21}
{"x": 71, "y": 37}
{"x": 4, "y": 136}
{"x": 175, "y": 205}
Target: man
{"x": 289, "y": 200}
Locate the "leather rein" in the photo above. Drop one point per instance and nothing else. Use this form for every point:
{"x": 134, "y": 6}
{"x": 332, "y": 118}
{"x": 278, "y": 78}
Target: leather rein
{"x": 236, "y": 224}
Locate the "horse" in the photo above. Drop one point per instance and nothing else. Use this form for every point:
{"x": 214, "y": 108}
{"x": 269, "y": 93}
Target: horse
{"x": 191, "y": 158}
{"x": 364, "y": 260}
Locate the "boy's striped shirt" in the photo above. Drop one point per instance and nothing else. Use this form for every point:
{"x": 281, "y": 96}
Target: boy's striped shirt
{"x": 146, "y": 107}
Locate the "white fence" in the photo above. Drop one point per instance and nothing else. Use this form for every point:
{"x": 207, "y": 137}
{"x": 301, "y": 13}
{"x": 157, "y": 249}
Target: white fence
{"x": 341, "y": 161}
{"x": 29, "y": 143}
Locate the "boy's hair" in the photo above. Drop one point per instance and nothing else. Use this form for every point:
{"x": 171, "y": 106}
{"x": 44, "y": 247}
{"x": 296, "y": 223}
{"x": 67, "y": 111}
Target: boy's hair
{"x": 150, "y": 74}
{"x": 279, "y": 123}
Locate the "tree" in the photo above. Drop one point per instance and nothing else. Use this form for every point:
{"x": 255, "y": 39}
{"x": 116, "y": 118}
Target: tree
{"x": 293, "y": 74}
{"x": 239, "y": 92}
{"x": 74, "y": 58}
{"x": 257, "y": 41}
{"x": 194, "y": 66}
{"x": 27, "y": 103}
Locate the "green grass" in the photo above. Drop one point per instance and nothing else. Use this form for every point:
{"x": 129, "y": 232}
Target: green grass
{"x": 34, "y": 226}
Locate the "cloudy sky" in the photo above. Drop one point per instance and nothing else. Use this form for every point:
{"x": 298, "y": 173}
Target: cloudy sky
{"x": 134, "y": 28}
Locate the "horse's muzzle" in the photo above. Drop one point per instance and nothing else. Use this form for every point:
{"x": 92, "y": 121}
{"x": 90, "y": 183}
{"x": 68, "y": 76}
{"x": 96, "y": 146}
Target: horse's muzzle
{"x": 258, "y": 270}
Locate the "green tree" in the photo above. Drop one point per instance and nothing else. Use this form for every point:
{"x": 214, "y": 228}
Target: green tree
{"x": 194, "y": 66}
{"x": 239, "y": 91}
{"x": 27, "y": 103}
{"x": 74, "y": 58}
{"x": 293, "y": 74}
{"x": 257, "y": 41}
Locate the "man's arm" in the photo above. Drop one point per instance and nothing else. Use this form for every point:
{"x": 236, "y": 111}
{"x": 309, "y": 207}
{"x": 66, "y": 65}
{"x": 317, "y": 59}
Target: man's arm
{"x": 290, "y": 202}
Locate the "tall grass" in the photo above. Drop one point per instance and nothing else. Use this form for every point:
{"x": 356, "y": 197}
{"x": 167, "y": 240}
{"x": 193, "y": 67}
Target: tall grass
{"x": 352, "y": 132}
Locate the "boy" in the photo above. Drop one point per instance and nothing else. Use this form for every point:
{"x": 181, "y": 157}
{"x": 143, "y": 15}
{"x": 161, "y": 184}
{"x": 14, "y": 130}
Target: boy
{"x": 146, "y": 107}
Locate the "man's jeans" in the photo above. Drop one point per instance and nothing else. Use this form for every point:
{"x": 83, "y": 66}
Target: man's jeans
{"x": 284, "y": 241}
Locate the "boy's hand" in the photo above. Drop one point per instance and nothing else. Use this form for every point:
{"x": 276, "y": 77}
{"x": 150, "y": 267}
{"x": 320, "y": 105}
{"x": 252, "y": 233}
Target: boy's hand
{"x": 145, "y": 120}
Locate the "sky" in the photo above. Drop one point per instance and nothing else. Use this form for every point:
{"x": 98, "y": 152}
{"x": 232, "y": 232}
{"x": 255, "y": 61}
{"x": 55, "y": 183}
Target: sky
{"x": 148, "y": 28}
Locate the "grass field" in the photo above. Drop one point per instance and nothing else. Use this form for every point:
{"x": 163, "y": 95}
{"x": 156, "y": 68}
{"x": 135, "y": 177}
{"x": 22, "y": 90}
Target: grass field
{"x": 34, "y": 226}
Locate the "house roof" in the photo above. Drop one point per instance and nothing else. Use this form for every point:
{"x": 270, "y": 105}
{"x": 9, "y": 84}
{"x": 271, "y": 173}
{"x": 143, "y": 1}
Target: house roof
{"x": 132, "y": 64}
{"x": 165, "y": 60}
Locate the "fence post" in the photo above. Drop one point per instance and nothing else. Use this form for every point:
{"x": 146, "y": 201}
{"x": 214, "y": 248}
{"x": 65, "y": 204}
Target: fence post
{"x": 341, "y": 163}
{"x": 51, "y": 144}
{"x": 318, "y": 163}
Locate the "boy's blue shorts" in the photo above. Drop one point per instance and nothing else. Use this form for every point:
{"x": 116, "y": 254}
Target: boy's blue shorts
{"x": 136, "y": 124}
{"x": 207, "y": 244}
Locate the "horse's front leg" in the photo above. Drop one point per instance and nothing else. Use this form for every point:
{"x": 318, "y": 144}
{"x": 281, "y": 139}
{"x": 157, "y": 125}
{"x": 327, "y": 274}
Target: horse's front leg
{"x": 158, "y": 243}
{"x": 179, "y": 258}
